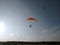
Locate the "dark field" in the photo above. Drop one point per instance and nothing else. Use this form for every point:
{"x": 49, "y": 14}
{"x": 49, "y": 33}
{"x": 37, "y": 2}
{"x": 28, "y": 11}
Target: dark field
{"x": 29, "y": 43}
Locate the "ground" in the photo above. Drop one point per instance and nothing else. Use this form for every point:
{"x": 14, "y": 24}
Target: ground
{"x": 29, "y": 43}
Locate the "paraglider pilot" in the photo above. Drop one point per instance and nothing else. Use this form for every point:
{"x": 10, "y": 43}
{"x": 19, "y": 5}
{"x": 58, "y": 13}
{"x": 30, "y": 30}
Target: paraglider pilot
{"x": 30, "y": 26}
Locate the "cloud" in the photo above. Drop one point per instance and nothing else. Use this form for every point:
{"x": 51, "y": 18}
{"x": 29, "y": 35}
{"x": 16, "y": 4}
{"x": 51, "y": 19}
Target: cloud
{"x": 54, "y": 29}
{"x": 44, "y": 31}
{"x": 53, "y": 34}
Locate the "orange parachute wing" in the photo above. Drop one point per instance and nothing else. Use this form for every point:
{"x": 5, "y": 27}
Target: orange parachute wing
{"x": 33, "y": 19}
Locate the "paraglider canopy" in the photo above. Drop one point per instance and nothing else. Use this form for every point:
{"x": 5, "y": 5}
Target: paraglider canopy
{"x": 31, "y": 19}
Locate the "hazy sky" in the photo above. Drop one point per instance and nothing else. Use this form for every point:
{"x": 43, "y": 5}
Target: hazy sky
{"x": 13, "y": 15}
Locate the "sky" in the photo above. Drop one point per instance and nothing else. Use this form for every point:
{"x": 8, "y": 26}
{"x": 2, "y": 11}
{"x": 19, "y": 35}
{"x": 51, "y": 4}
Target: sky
{"x": 15, "y": 27}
